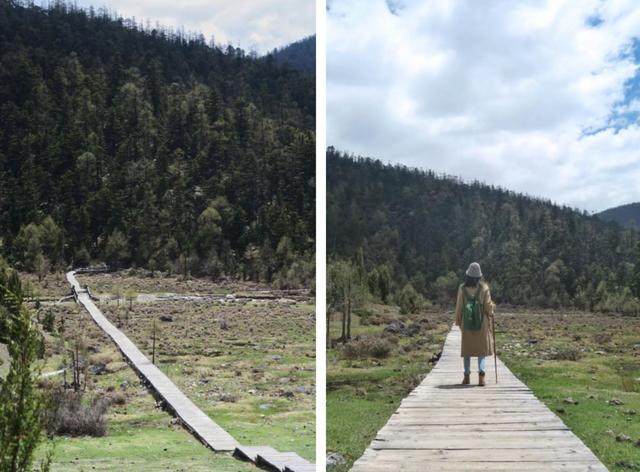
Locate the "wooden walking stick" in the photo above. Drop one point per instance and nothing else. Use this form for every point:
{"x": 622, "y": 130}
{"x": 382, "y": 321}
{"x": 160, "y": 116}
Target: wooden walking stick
{"x": 495, "y": 354}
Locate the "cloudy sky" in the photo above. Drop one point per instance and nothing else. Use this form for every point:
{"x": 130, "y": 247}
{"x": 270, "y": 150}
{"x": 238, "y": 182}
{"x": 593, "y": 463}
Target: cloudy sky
{"x": 541, "y": 97}
{"x": 260, "y": 25}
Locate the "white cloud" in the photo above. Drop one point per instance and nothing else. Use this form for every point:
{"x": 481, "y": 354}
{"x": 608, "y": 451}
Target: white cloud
{"x": 500, "y": 91}
{"x": 260, "y": 25}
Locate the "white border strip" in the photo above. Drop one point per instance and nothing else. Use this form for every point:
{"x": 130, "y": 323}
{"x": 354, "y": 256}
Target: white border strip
{"x": 321, "y": 232}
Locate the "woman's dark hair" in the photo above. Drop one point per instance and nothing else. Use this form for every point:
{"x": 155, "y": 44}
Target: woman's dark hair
{"x": 471, "y": 281}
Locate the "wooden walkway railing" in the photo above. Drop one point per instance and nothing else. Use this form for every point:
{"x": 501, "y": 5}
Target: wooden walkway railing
{"x": 444, "y": 426}
{"x": 193, "y": 418}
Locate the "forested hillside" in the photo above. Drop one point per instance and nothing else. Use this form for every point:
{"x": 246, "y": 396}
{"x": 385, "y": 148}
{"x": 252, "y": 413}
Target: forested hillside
{"x": 625, "y": 215}
{"x": 300, "y": 55}
{"x": 410, "y": 229}
{"x": 140, "y": 146}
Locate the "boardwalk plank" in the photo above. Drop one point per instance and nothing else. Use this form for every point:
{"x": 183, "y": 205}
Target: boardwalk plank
{"x": 443, "y": 426}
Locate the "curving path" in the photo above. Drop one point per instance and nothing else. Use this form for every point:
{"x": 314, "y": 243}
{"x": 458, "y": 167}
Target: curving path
{"x": 200, "y": 424}
{"x": 443, "y": 426}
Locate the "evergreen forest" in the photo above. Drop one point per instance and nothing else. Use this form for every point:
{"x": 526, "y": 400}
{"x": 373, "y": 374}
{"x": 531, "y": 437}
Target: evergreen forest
{"x": 141, "y": 146}
{"x": 406, "y": 236}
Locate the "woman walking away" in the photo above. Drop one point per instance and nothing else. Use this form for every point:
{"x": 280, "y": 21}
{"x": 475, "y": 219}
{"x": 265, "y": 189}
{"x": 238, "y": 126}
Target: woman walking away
{"x": 474, "y": 313}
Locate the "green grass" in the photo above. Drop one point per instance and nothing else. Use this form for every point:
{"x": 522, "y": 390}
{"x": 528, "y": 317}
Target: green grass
{"x": 362, "y": 394}
{"x": 605, "y": 371}
{"x": 358, "y": 409}
{"x": 142, "y": 449}
{"x": 243, "y": 367}
{"x": 204, "y": 361}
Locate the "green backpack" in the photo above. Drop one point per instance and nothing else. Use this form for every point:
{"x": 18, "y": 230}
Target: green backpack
{"x": 471, "y": 311}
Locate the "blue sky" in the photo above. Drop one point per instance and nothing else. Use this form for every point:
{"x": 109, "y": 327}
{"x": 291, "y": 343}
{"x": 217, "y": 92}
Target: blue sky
{"x": 259, "y": 25}
{"x": 541, "y": 97}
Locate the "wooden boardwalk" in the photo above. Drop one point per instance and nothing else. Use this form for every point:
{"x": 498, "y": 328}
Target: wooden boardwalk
{"x": 444, "y": 426}
{"x": 192, "y": 417}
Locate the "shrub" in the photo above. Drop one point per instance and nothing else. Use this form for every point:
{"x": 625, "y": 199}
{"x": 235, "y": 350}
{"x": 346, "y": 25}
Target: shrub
{"x": 602, "y": 337}
{"x": 82, "y": 257}
{"x": 300, "y": 274}
{"x": 567, "y": 353}
{"x": 117, "y": 398}
{"x": 620, "y": 301}
{"x": 48, "y": 321}
{"x": 629, "y": 384}
{"x": 366, "y": 347}
{"x": 67, "y": 414}
{"x": 364, "y": 316}
{"x": 409, "y": 300}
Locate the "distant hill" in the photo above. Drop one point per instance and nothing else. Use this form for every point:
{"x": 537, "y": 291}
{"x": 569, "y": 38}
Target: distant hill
{"x": 300, "y": 55}
{"x": 626, "y": 215}
{"x": 425, "y": 228}
{"x": 150, "y": 148}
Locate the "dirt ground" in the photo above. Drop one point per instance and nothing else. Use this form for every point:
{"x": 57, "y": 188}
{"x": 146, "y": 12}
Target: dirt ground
{"x": 586, "y": 368}
{"x": 247, "y": 363}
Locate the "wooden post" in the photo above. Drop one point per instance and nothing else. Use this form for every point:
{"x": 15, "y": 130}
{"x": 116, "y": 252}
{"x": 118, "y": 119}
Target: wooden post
{"x": 153, "y": 352}
{"x": 349, "y": 308}
{"x": 495, "y": 354}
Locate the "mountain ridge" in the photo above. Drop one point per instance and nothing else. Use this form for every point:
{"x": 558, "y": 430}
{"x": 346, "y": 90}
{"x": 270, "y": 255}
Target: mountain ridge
{"x": 148, "y": 148}
{"x": 424, "y": 229}
{"x": 627, "y": 215}
{"x": 299, "y": 55}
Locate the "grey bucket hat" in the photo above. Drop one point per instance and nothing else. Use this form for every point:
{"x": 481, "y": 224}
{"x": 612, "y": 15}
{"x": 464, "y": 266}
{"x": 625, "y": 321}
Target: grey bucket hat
{"x": 474, "y": 270}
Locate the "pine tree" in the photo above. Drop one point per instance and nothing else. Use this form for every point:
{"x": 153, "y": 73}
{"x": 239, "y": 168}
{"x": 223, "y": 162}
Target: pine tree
{"x": 20, "y": 402}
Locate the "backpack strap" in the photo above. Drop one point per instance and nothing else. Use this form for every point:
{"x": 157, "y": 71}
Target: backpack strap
{"x": 478, "y": 298}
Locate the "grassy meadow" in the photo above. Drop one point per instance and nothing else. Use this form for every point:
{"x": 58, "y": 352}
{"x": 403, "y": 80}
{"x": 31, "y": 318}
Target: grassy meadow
{"x": 586, "y": 368}
{"x": 364, "y": 390}
{"x": 581, "y": 365}
{"x": 248, "y": 364}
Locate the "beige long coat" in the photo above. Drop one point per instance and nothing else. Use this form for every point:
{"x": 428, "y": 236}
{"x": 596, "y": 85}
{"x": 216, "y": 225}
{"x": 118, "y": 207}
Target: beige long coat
{"x": 476, "y": 343}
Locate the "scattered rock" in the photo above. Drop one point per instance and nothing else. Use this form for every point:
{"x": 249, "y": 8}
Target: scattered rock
{"x": 615, "y": 402}
{"x": 167, "y": 318}
{"x": 623, "y": 438}
{"x": 228, "y": 398}
{"x": 285, "y": 394}
{"x": 304, "y": 389}
{"x": 98, "y": 368}
{"x": 570, "y": 401}
{"x": 625, "y": 465}
{"x": 395, "y": 327}
{"x": 610, "y": 432}
{"x": 265, "y": 406}
{"x": 630, "y": 412}
{"x": 560, "y": 410}
{"x": 276, "y": 358}
{"x": 398, "y": 327}
{"x": 334, "y": 460}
